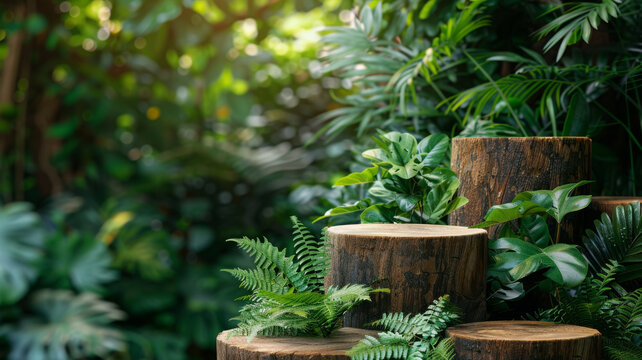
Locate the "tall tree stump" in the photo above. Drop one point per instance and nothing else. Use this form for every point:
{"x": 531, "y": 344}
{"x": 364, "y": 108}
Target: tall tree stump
{"x": 418, "y": 263}
{"x": 289, "y": 348}
{"x": 518, "y": 340}
{"x": 492, "y": 171}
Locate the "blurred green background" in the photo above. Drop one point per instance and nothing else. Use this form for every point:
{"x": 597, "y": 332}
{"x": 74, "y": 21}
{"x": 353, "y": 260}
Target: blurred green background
{"x": 144, "y": 133}
{"x": 136, "y": 136}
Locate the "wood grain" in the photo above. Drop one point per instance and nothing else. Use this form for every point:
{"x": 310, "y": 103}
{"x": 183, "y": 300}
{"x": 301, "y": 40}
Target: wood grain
{"x": 517, "y": 340}
{"x": 289, "y": 348}
{"x": 493, "y": 170}
{"x": 418, "y": 263}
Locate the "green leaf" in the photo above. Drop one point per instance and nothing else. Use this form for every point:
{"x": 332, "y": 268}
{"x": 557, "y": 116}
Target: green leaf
{"x": 378, "y": 214}
{"x": 432, "y": 149}
{"x": 510, "y": 211}
{"x": 348, "y": 209}
{"x": 153, "y": 15}
{"x": 576, "y": 123}
{"x": 564, "y": 203}
{"x": 566, "y": 265}
{"x": 64, "y": 129}
{"x": 535, "y": 230}
{"x": 21, "y": 243}
{"x": 366, "y": 176}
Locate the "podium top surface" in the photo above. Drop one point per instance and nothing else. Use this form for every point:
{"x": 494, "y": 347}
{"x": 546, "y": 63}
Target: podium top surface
{"x": 404, "y": 230}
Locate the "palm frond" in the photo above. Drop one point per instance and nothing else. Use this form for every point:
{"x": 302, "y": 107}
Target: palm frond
{"x": 577, "y": 23}
{"x": 619, "y": 238}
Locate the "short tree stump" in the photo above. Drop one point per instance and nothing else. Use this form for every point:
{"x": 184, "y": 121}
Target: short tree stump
{"x": 517, "y": 340}
{"x": 289, "y": 348}
{"x": 418, "y": 263}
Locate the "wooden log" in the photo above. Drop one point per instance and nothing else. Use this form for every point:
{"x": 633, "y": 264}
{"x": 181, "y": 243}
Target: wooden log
{"x": 289, "y": 348}
{"x": 518, "y": 340}
{"x": 418, "y": 263}
{"x": 493, "y": 170}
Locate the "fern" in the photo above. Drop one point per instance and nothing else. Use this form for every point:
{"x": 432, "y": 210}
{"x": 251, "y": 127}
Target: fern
{"x": 287, "y": 291}
{"x": 411, "y": 337}
{"x": 594, "y": 304}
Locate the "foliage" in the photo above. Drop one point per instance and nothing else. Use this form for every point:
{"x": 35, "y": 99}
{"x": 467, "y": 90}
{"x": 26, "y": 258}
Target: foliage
{"x": 515, "y": 255}
{"x": 63, "y": 325}
{"x": 287, "y": 291}
{"x": 618, "y": 238}
{"x": 411, "y": 337}
{"x": 496, "y": 72}
{"x": 21, "y": 240}
{"x": 410, "y": 182}
{"x": 596, "y": 305}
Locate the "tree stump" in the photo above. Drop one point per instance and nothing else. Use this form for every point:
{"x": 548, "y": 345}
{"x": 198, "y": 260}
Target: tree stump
{"x": 418, "y": 263}
{"x": 492, "y": 171}
{"x": 289, "y": 348}
{"x": 606, "y": 204}
{"x": 518, "y": 340}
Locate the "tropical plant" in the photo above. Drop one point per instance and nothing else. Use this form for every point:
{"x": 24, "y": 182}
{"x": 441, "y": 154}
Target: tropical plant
{"x": 594, "y": 304}
{"x": 618, "y": 238}
{"x": 287, "y": 291}
{"x": 411, "y": 337}
{"x": 517, "y": 254}
{"x": 63, "y": 325}
{"x": 410, "y": 181}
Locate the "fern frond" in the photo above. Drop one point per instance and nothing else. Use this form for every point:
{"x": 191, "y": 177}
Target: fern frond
{"x": 311, "y": 254}
{"x": 259, "y": 279}
{"x": 440, "y": 314}
{"x": 387, "y": 345}
{"x": 445, "y": 350}
{"x": 268, "y": 256}
{"x": 629, "y": 314}
{"x": 622, "y": 350}
{"x": 398, "y": 322}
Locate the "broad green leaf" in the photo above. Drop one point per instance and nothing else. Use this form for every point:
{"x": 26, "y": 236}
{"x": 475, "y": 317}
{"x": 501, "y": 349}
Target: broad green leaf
{"x": 564, "y": 203}
{"x": 366, "y": 176}
{"x": 438, "y": 199}
{"x": 432, "y": 149}
{"x": 378, "y": 214}
{"x": 535, "y": 230}
{"x": 342, "y": 210}
{"x": 566, "y": 265}
{"x": 576, "y": 123}
{"x": 506, "y": 212}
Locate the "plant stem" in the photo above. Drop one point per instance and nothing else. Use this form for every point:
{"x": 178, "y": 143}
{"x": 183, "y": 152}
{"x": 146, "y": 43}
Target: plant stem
{"x": 501, "y": 93}
{"x": 557, "y": 233}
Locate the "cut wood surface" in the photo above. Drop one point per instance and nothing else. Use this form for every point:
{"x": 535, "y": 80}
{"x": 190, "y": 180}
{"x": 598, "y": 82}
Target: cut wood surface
{"x": 517, "y": 340}
{"x": 492, "y": 171}
{"x": 289, "y": 348}
{"x": 418, "y": 263}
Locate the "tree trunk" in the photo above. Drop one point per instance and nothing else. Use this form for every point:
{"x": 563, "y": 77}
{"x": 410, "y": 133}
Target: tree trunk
{"x": 493, "y": 170}
{"x": 289, "y": 348}
{"x": 518, "y": 340}
{"x": 418, "y": 263}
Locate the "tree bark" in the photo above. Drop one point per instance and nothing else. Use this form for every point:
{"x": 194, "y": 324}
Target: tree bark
{"x": 493, "y": 170}
{"x": 289, "y": 348}
{"x": 418, "y": 263}
{"x": 518, "y": 340}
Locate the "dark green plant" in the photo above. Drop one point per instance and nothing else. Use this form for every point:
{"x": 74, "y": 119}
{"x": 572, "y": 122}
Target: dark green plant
{"x": 287, "y": 291}
{"x": 618, "y": 238}
{"x": 410, "y": 181}
{"x": 594, "y": 304}
{"x": 515, "y": 254}
{"x": 411, "y": 337}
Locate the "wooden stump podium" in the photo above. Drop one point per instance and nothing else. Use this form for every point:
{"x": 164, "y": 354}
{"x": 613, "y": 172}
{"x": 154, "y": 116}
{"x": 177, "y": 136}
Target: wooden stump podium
{"x": 418, "y": 263}
{"x": 492, "y": 171}
{"x": 289, "y": 348}
{"x": 518, "y": 340}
